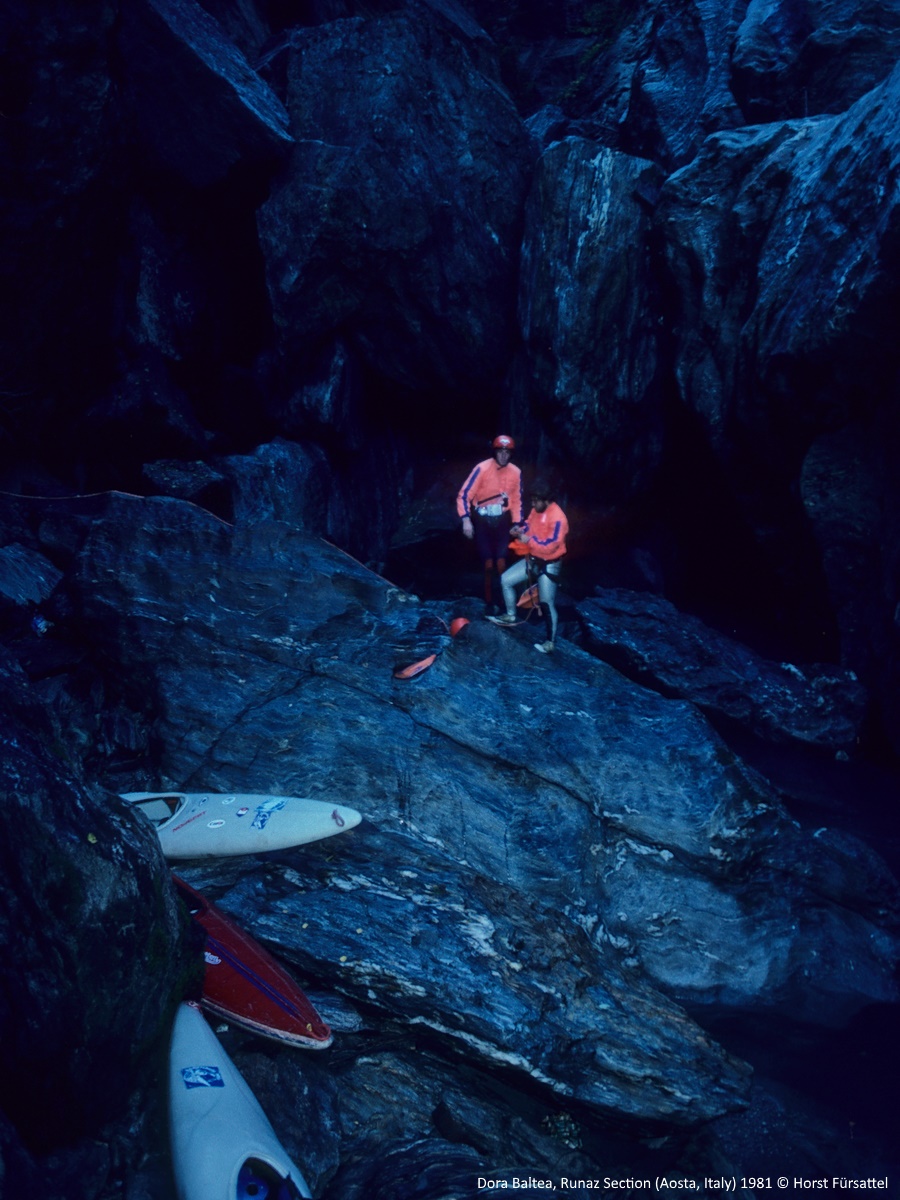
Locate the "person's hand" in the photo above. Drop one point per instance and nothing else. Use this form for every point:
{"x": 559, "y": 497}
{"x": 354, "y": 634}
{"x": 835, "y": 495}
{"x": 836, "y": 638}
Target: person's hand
{"x": 468, "y": 531}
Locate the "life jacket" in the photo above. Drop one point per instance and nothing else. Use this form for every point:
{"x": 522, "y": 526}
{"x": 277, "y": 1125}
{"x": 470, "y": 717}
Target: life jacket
{"x": 491, "y": 490}
{"x": 546, "y": 533}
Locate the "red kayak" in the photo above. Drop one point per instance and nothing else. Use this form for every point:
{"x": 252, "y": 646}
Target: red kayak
{"x": 244, "y": 983}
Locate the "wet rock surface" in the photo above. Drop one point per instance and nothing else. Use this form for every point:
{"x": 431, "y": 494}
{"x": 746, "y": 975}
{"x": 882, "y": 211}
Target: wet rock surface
{"x": 646, "y": 637}
{"x": 553, "y": 860}
{"x": 308, "y": 704}
{"x": 500, "y": 980}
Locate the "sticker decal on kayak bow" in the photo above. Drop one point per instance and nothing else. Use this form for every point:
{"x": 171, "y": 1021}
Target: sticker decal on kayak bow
{"x": 195, "y": 1077}
{"x": 264, "y": 812}
{"x": 195, "y": 817}
{"x": 212, "y": 959}
{"x": 242, "y": 812}
{"x": 215, "y": 824}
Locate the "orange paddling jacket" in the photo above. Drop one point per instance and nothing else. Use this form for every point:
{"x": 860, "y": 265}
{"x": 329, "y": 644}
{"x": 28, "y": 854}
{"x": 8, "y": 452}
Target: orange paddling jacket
{"x": 492, "y": 486}
{"x": 546, "y": 533}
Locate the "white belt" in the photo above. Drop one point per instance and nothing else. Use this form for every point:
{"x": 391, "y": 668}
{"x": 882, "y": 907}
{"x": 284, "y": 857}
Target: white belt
{"x": 490, "y": 510}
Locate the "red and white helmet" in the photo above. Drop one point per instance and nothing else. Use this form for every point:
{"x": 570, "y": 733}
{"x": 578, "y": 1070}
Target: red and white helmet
{"x": 503, "y": 442}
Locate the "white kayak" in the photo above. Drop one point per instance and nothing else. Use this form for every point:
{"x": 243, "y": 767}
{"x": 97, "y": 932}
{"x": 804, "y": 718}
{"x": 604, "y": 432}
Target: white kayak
{"x": 210, "y": 824}
{"x": 223, "y": 1147}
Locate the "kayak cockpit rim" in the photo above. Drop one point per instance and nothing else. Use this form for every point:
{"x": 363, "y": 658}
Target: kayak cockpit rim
{"x": 258, "y": 1179}
{"x": 160, "y": 807}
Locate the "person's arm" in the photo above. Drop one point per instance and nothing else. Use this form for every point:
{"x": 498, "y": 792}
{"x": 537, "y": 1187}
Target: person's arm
{"x": 520, "y": 529}
{"x": 515, "y": 501}
{"x": 462, "y": 502}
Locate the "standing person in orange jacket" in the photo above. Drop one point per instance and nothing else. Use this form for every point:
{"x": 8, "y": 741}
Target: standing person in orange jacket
{"x": 489, "y": 504}
{"x": 543, "y": 535}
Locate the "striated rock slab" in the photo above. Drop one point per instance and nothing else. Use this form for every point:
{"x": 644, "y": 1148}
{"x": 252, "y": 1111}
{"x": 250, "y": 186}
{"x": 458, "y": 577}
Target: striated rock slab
{"x": 681, "y": 84}
{"x": 648, "y": 639}
{"x": 652, "y": 80}
{"x": 586, "y": 310}
{"x": 26, "y": 578}
{"x": 268, "y": 660}
{"x": 398, "y": 925}
{"x": 194, "y": 97}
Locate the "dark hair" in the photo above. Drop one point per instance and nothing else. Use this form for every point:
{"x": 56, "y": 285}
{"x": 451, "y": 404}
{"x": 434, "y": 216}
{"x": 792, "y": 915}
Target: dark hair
{"x": 541, "y": 490}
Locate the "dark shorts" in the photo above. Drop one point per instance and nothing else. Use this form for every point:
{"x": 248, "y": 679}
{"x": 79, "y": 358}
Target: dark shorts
{"x": 492, "y": 536}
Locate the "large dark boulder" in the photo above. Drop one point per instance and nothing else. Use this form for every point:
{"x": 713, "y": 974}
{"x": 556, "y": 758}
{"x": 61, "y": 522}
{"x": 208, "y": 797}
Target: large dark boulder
{"x": 648, "y": 639}
{"x": 294, "y": 483}
{"x": 93, "y": 957}
{"x": 398, "y": 217}
{"x": 795, "y": 60}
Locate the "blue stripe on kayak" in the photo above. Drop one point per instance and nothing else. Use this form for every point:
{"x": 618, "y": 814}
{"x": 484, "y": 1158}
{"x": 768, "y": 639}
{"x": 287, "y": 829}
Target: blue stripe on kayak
{"x": 251, "y": 976}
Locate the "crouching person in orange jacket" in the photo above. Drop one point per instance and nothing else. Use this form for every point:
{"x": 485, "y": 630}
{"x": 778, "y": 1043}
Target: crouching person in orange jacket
{"x": 543, "y": 535}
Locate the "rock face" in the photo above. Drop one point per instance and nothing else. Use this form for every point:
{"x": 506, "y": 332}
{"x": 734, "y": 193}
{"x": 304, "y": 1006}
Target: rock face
{"x": 231, "y": 223}
{"x": 490, "y": 974}
{"x": 790, "y": 340}
{"x": 398, "y": 218}
{"x": 196, "y": 100}
{"x": 797, "y": 60}
{"x": 649, "y": 640}
{"x": 795, "y": 290}
{"x": 292, "y": 262}
{"x": 680, "y": 88}
{"x": 586, "y": 280}
{"x": 85, "y": 898}
{"x": 662, "y": 828}
{"x": 553, "y": 857}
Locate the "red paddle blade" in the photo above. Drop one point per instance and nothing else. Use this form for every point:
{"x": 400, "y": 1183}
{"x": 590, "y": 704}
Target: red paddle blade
{"x": 415, "y": 668}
